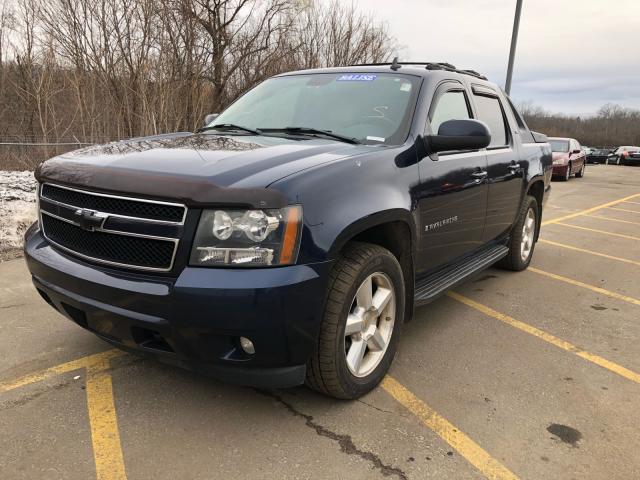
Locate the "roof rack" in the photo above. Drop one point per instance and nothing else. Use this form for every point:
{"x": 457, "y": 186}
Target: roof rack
{"x": 396, "y": 65}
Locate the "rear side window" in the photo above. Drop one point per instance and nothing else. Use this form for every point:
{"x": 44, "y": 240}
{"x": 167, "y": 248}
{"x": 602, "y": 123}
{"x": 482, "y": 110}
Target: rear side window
{"x": 490, "y": 112}
{"x": 525, "y": 134}
{"x": 451, "y": 105}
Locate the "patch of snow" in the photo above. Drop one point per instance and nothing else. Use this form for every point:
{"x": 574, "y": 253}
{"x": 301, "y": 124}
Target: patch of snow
{"x": 17, "y": 207}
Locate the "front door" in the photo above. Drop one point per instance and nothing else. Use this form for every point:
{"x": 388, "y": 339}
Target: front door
{"x": 453, "y": 189}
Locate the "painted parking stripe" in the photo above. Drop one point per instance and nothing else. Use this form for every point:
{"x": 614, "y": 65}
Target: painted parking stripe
{"x": 105, "y": 436}
{"x": 624, "y": 210}
{"x": 593, "y": 288}
{"x": 549, "y": 338}
{"x": 465, "y": 446}
{"x": 635, "y": 203}
{"x": 613, "y": 219}
{"x": 590, "y": 252}
{"x": 59, "y": 369}
{"x": 590, "y": 210}
{"x": 595, "y": 230}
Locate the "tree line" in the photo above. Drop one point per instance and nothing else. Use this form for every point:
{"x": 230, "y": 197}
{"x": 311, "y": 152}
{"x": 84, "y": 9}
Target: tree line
{"x": 98, "y": 70}
{"x": 612, "y": 126}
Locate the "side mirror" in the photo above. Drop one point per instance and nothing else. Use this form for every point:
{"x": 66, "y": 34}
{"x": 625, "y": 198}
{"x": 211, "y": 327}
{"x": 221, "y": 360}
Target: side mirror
{"x": 459, "y": 135}
{"x": 209, "y": 118}
{"x": 576, "y": 151}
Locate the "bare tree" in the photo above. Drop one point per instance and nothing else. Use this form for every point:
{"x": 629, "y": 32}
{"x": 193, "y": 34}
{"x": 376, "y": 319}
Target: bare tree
{"x": 106, "y": 69}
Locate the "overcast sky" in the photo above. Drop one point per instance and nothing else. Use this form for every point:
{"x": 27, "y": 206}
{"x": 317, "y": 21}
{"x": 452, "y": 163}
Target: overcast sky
{"x": 573, "y": 55}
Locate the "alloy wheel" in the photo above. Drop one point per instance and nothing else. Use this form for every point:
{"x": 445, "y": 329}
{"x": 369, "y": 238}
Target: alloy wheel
{"x": 370, "y": 324}
{"x": 528, "y": 235}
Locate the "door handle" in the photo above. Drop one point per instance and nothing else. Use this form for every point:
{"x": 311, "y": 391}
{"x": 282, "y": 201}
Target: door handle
{"x": 480, "y": 174}
{"x": 515, "y": 166}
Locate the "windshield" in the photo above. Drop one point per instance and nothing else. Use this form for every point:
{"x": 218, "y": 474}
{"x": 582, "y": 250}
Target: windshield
{"x": 371, "y": 108}
{"x": 561, "y": 146}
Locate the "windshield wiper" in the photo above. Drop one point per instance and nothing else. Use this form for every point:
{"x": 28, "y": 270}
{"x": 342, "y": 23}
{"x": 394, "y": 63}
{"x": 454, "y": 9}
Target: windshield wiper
{"x": 229, "y": 127}
{"x": 310, "y": 131}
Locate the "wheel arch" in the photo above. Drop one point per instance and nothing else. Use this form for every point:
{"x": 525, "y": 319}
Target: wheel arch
{"x": 392, "y": 229}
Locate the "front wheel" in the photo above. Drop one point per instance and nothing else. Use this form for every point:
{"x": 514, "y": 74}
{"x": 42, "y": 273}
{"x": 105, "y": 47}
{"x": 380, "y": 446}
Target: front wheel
{"x": 523, "y": 237}
{"x": 567, "y": 174}
{"x": 580, "y": 174}
{"x": 361, "y": 325}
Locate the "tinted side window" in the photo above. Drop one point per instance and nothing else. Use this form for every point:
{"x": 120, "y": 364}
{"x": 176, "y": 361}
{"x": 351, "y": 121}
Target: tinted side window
{"x": 490, "y": 112}
{"x": 451, "y": 106}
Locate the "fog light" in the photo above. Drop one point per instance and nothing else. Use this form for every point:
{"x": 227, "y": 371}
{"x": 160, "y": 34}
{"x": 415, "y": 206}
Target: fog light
{"x": 247, "y": 345}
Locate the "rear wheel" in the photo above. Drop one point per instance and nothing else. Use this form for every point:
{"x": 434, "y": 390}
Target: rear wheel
{"x": 361, "y": 324}
{"x": 580, "y": 174}
{"x": 523, "y": 237}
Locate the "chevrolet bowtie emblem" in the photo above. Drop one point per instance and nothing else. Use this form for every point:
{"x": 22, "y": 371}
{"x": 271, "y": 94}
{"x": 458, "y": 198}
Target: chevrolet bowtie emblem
{"x": 89, "y": 219}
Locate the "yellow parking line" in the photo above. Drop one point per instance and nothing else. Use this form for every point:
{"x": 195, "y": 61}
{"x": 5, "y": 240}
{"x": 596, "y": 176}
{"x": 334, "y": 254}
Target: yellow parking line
{"x": 624, "y": 210}
{"x": 59, "y": 369}
{"x": 593, "y": 288}
{"x": 549, "y": 338}
{"x": 590, "y": 210}
{"x": 613, "y": 219}
{"x": 470, "y": 450}
{"x": 590, "y": 252}
{"x": 595, "y": 230}
{"x": 105, "y": 436}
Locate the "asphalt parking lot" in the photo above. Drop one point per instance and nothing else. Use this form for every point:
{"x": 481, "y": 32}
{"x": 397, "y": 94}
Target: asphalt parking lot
{"x": 528, "y": 375}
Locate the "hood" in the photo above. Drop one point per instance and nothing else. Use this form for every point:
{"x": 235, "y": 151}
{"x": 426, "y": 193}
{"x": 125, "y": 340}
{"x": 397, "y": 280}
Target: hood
{"x": 194, "y": 168}
{"x": 560, "y": 156}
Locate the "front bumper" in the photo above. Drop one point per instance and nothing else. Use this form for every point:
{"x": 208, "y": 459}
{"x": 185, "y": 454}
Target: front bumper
{"x": 560, "y": 170}
{"x": 195, "y": 320}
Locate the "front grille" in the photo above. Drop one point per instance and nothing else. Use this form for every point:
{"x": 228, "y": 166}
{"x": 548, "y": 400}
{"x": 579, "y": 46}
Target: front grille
{"x": 113, "y": 248}
{"x": 115, "y": 205}
{"x": 119, "y": 231}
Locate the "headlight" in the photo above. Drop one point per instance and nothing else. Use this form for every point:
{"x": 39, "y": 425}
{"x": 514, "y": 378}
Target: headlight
{"x": 247, "y": 238}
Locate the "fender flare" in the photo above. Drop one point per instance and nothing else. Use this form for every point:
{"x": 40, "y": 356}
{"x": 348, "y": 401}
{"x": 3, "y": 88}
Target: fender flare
{"x": 370, "y": 221}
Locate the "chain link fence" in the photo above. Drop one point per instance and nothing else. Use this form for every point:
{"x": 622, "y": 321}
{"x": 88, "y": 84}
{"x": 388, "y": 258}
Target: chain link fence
{"x": 26, "y": 153}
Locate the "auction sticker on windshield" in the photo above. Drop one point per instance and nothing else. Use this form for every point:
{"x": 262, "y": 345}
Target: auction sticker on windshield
{"x": 356, "y": 77}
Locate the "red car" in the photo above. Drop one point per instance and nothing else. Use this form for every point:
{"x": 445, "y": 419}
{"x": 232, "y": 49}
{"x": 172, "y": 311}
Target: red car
{"x": 568, "y": 158}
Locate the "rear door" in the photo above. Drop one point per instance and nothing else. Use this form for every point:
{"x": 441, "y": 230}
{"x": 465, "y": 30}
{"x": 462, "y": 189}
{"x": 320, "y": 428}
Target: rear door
{"x": 453, "y": 188}
{"x": 506, "y": 172}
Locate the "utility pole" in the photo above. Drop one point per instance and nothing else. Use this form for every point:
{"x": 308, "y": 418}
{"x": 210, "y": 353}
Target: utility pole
{"x": 514, "y": 42}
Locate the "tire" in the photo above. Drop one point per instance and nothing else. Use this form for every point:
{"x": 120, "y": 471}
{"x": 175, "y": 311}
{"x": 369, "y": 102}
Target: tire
{"x": 580, "y": 174}
{"x": 618, "y": 160}
{"x": 567, "y": 175}
{"x": 328, "y": 370}
{"x": 515, "y": 258}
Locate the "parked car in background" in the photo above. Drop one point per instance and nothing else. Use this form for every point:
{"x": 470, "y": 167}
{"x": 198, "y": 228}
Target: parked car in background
{"x": 618, "y": 157}
{"x": 586, "y": 150}
{"x": 632, "y": 159}
{"x": 568, "y": 158}
{"x": 598, "y": 155}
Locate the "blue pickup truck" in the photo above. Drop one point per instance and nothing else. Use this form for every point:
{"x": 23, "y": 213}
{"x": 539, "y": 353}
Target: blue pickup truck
{"x": 289, "y": 239}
